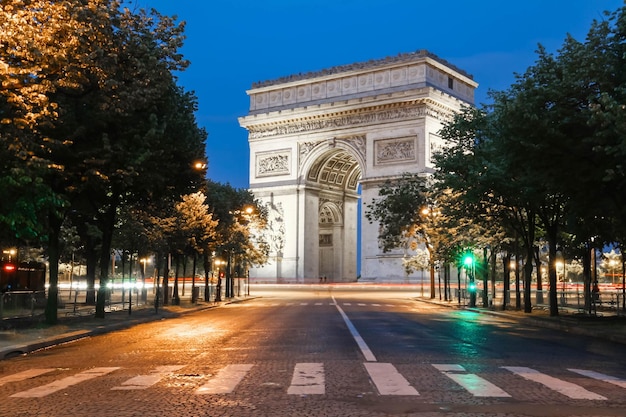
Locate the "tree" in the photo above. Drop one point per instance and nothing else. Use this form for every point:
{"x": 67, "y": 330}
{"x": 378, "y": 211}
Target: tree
{"x": 405, "y": 212}
{"x": 234, "y": 236}
{"x": 197, "y": 229}
{"x": 89, "y": 104}
{"x": 47, "y": 53}
{"x": 546, "y": 148}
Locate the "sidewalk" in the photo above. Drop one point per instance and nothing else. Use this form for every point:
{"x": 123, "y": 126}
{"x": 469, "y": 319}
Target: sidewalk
{"x": 73, "y": 325}
{"x": 570, "y": 320}
{"x": 26, "y": 335}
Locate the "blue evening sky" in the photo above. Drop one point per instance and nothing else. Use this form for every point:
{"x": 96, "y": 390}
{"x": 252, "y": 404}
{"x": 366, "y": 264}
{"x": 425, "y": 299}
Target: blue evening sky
{"x": 233, "y": 43}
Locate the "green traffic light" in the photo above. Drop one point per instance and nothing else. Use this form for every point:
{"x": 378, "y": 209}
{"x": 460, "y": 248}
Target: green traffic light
{"x": 468, "y": 260}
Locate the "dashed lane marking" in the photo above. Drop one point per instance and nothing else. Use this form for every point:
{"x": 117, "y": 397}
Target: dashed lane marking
{"x": 367, "y": 353}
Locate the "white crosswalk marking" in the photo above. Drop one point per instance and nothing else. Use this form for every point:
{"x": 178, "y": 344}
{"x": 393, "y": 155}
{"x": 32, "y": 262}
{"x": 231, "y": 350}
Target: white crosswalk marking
{"x": 145, "y": 381}
{"x": 20, "y": 376}
{"x": 64, "y": 383}
{"x": 388, "y": 380}
{"x": 601, "y": 377}
{"x": 566, "y": 388}
{"x": 308, "y": 378}
{"x": 477, "y": 386}
{"x": 226, "y": 380}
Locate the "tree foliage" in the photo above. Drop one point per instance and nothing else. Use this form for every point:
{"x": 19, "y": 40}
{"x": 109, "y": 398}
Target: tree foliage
{"x": 91, "y": 113}
{"x": 542, "y": 163}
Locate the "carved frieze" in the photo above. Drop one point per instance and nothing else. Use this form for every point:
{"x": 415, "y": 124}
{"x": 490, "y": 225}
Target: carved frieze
{"x": 397, "y": 150}
{"x": 350, "y": 119}
{"x": 273, "y": 163}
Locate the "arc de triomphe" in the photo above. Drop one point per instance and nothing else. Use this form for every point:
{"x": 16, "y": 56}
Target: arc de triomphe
{"x": 322, "y": 142}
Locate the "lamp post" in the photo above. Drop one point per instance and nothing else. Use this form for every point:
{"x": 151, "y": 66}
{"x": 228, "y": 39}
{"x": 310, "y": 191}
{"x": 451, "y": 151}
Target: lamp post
{"x": 249, "y": 210}
{"x": 561, "y": 264}
{"x": 218, "y": 289}
{"x": 144, "y": 291}
{"x": 468, "y": 261}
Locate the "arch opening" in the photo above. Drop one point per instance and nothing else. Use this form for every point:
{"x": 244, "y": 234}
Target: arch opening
{"x": 334, "y": 179}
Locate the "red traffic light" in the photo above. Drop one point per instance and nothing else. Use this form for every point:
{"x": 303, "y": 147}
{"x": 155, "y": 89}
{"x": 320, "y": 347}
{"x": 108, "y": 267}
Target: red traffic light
{"x": 9, "y": 267}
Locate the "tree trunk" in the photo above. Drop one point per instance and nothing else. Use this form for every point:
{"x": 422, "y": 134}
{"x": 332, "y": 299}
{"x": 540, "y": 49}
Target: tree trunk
{"x": 458, "y": 278}
{"x": 52, "y": 302}
{"x": 92, "y": 265}
{"x": 587, "y": 275}
{"x": 193, "y": 278}
{"x": 166, "y": 280}
{"x": 207, "y": 265}
{"x": 103, "y": 290}
{"x": 528, "y": 275}
{"x": 184, "y": 272}
{"x": 229, "y": 278}
{"x": 554, "y": 307}
{"x": 518, "y": 296}
{"x": 485, "y": 273}
{"x": 493, "y": 276}
{"x": 539, "y": 297}
{"x": 175, "y": 296}
{"x": 107, "y": 225}
{"x": 506, "y": 280}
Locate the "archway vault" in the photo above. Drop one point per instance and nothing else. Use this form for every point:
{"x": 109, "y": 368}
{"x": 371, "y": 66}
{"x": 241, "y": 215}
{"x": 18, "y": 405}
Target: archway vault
{"x": 336, "y": 169}
{"x": 332, "y": 187}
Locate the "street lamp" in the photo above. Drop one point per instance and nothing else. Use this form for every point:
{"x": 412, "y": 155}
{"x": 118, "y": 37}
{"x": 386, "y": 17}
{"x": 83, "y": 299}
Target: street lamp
{"x": 561, "y": 264}
{"x": 144, "y": 291}
{"x": 218, "y": 290}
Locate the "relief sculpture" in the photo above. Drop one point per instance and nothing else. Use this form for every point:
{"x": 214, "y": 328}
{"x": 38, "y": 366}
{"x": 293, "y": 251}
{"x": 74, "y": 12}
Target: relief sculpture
{"x": 395, "y": 151}
{"x": 274, "y": 164}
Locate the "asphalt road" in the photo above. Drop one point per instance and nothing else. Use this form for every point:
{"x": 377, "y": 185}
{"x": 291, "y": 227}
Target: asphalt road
{"x": 324, "y": 352}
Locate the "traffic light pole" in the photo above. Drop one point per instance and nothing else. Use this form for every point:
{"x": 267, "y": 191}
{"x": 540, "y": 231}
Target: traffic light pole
{"x": 468, "y": 261}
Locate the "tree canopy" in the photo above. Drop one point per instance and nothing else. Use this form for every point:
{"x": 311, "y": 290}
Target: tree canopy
{"x": 91, "y": 118}
{"x": 541, "y": 165}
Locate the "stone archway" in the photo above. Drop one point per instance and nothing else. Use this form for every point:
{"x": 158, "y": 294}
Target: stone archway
{"x": 315, "y": 139}
{"x": 333, "y": 179}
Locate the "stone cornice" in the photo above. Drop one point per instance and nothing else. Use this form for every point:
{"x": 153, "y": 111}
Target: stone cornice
{"x": 356, "y": 117}
{"x": 372, "y": 64}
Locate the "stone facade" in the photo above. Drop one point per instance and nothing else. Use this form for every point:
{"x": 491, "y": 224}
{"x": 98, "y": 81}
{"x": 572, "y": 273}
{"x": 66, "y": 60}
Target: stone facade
{"x": 322, "y": 143}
